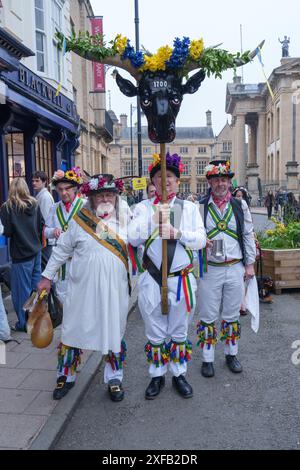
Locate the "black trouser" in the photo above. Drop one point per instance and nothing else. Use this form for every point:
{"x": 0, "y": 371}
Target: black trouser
{"x": 46, "y": 253}
{"x": 269, "y": 210}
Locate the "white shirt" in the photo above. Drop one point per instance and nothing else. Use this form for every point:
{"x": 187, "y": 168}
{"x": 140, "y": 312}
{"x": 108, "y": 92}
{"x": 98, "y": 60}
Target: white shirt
{"x": 52, "y": 222}
{"x": 191, "y": 227}
{"x": 232, "y": 248}
{"x": 45, "y": 201}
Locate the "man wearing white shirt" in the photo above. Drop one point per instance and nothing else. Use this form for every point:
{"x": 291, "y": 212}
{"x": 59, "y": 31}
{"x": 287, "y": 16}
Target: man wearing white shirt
{"x": 231, "y": 255}
{"x": 45, "y": 202}
{"x": 152, "y": 222}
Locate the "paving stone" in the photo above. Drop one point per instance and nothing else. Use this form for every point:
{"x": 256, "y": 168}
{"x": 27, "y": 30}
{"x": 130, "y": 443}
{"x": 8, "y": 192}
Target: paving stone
{"x": 20, "y": 430}
{"x": 39, "y": 361}
{"x": 42, "y": 405}
{"x": 13, "y": 359}
{"x": 15, "y": 401}
{"x": 42, "y": 380}
{"x": 26, "y": 346}
{"x": 12, "y": 378}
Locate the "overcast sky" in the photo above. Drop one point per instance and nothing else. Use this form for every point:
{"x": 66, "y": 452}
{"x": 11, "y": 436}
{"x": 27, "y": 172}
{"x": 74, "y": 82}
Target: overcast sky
{"x": 214, "y": 20}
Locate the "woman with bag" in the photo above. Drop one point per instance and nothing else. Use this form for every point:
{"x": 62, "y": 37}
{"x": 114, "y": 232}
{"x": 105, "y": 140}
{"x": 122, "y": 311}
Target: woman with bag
{"x": 23, "y": 224}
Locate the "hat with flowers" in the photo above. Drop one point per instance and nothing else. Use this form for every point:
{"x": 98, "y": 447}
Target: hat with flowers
{"x": 173, "y": 163}
{"x": 73, "y": 176}
{"x": 217, "y": 168}
{"x": 102, "y": 182}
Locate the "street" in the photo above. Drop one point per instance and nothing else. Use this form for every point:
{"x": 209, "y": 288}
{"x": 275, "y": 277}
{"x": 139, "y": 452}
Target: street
{"x": 258, "y": 409}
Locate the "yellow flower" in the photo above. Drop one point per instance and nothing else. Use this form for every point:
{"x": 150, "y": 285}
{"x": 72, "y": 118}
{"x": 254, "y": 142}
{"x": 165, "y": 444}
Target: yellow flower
{"x": 156, "y": 158}
{"x": 120, "y": 43}
{"x": 196, "y": 49}
{"x": 157, "y": 61}
{"x": 270, "y": 233}
{"x": 70, "y": 175}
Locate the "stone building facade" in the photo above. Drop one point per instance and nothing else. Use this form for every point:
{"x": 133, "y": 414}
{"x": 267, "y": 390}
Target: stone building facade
{"x": 273, "y": 126}
{"x": 194, "y": 144}
{"x": 96, "y": 126}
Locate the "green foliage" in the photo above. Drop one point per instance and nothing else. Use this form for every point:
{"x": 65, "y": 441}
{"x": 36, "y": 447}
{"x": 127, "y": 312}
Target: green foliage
{"x": 216, "y": 61}
{"x": 281, "y": 237}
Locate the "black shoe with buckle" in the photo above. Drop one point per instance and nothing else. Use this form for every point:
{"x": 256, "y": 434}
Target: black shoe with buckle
{"x": 154, "y": 387}
{"x": 182, "y": 386}
{"x": 233, "y": 364}
{"x": 207, "y": 369}
{"x": 62, "y": 387}
{"x": 115, "y": 390}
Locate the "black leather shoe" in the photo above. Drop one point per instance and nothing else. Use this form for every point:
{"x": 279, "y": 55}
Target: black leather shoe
{"x": 233, "y": 364}
{"x": 115, "y": 390}
{"x": 182, "y": 386}
{"x": 154, "y": 387}
{"x": 62, "y": 388}
{"x": 207, "y": 369}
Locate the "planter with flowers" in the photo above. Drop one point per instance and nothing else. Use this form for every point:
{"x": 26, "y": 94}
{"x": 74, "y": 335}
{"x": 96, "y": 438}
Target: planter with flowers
{"x": 281, "y": 254}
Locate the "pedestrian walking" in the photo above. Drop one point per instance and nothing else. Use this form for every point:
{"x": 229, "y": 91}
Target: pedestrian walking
{"x": 23, "y": 224}
{"x": 231, "y": 255}
{"x": 269, "y": 203}
{"x": 180, "y": 223}
{"x": 45, "y": 202}
{"x": 96, "y": 305}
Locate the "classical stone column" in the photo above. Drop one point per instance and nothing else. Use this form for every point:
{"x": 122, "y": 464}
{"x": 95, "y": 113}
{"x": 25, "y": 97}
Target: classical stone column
{"x": 252, "y": 167}
{"x": 240, "y": 153}
{"x": 292, "y": 177}
{"x": 261, "y": 146}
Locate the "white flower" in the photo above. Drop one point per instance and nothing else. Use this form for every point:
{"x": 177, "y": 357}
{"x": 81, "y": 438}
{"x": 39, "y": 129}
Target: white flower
{"x": 94, "y": 184}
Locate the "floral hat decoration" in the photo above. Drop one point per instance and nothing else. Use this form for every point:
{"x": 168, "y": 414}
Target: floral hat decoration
{"x": 173, "y": 163}
{"x": 73, "y": 176}
{"x": 100, "y": 183}
{"x": 218, "y": 168}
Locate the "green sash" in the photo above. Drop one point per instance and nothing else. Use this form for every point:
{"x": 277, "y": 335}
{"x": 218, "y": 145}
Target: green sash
{"x": 221, "y": 223}
{"x": 60, "y": 215}
{"x": 106, "y": 237}
{"x": 64, "y": 226}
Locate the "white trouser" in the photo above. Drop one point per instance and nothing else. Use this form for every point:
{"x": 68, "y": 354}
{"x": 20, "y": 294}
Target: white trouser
{"x": 111, "y": 374}
{"x": 161, "y": 328}
{"x": 221, "y": 293}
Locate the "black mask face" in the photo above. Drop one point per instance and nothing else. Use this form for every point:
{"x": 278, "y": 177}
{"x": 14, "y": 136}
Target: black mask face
{"x": 161, "y": 95}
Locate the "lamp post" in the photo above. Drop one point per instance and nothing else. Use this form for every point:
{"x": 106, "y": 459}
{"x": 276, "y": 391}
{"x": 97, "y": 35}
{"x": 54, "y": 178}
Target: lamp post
{"x": 132, "y": 109}
{"x": 139, "y": 118}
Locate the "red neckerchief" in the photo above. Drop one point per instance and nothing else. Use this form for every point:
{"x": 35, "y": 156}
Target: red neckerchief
{"x": 221, "y": 202}
{"x": 68, "y": 205}
{"x": 158, "y": 198}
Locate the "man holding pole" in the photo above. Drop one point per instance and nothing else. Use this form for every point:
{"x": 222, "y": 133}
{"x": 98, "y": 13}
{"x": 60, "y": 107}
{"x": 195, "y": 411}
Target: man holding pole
{"x": 178, "y": 224}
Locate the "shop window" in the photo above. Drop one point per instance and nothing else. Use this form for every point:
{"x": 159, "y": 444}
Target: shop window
{"x": 43, "y": 156}
{"x": 15, "y": 155}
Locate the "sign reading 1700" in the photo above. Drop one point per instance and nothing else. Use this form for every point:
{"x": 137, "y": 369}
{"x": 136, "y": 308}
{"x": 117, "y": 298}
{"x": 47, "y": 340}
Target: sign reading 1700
{"x": 159, "y": 84}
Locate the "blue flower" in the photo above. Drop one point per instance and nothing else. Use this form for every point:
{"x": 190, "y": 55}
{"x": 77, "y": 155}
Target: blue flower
{"x": 180, "y": 53}
{"x": 136, "y": 58}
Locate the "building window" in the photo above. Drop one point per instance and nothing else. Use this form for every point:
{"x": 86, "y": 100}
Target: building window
{"x": 43, "y": 156}
{"x": 200, "y": 165}
{"x": 202, "y": 187}
{"x": 187, "y": 168}
{"x": 146, "y": 164}
{"x": 278, "y": 123}
{"x": 147, "y": 150}
{"x": 56, "y": 27}
{"x": 227, "y": 146}
{"x": 202, "y": 149}
{"x": 40, "y": 36}
{"x": 184, "y": 188}
{"x": 184, "y": 150}
{"x": 15, "y": 155}
{"x": 126, "y": 168}
{"x": 127, "y": 150}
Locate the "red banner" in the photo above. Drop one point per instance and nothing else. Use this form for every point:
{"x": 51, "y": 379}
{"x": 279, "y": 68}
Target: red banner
{"x": 99, "y": 69}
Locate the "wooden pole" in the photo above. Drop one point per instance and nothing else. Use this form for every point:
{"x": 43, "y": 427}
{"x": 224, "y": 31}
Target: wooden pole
{"x": 164, "y": 200}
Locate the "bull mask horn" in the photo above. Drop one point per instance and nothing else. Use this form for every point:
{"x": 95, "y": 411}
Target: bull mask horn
{"x": 119, "y": 53}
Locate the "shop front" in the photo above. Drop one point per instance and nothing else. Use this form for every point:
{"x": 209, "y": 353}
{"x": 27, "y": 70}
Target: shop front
{"x": 38, "y": 130}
